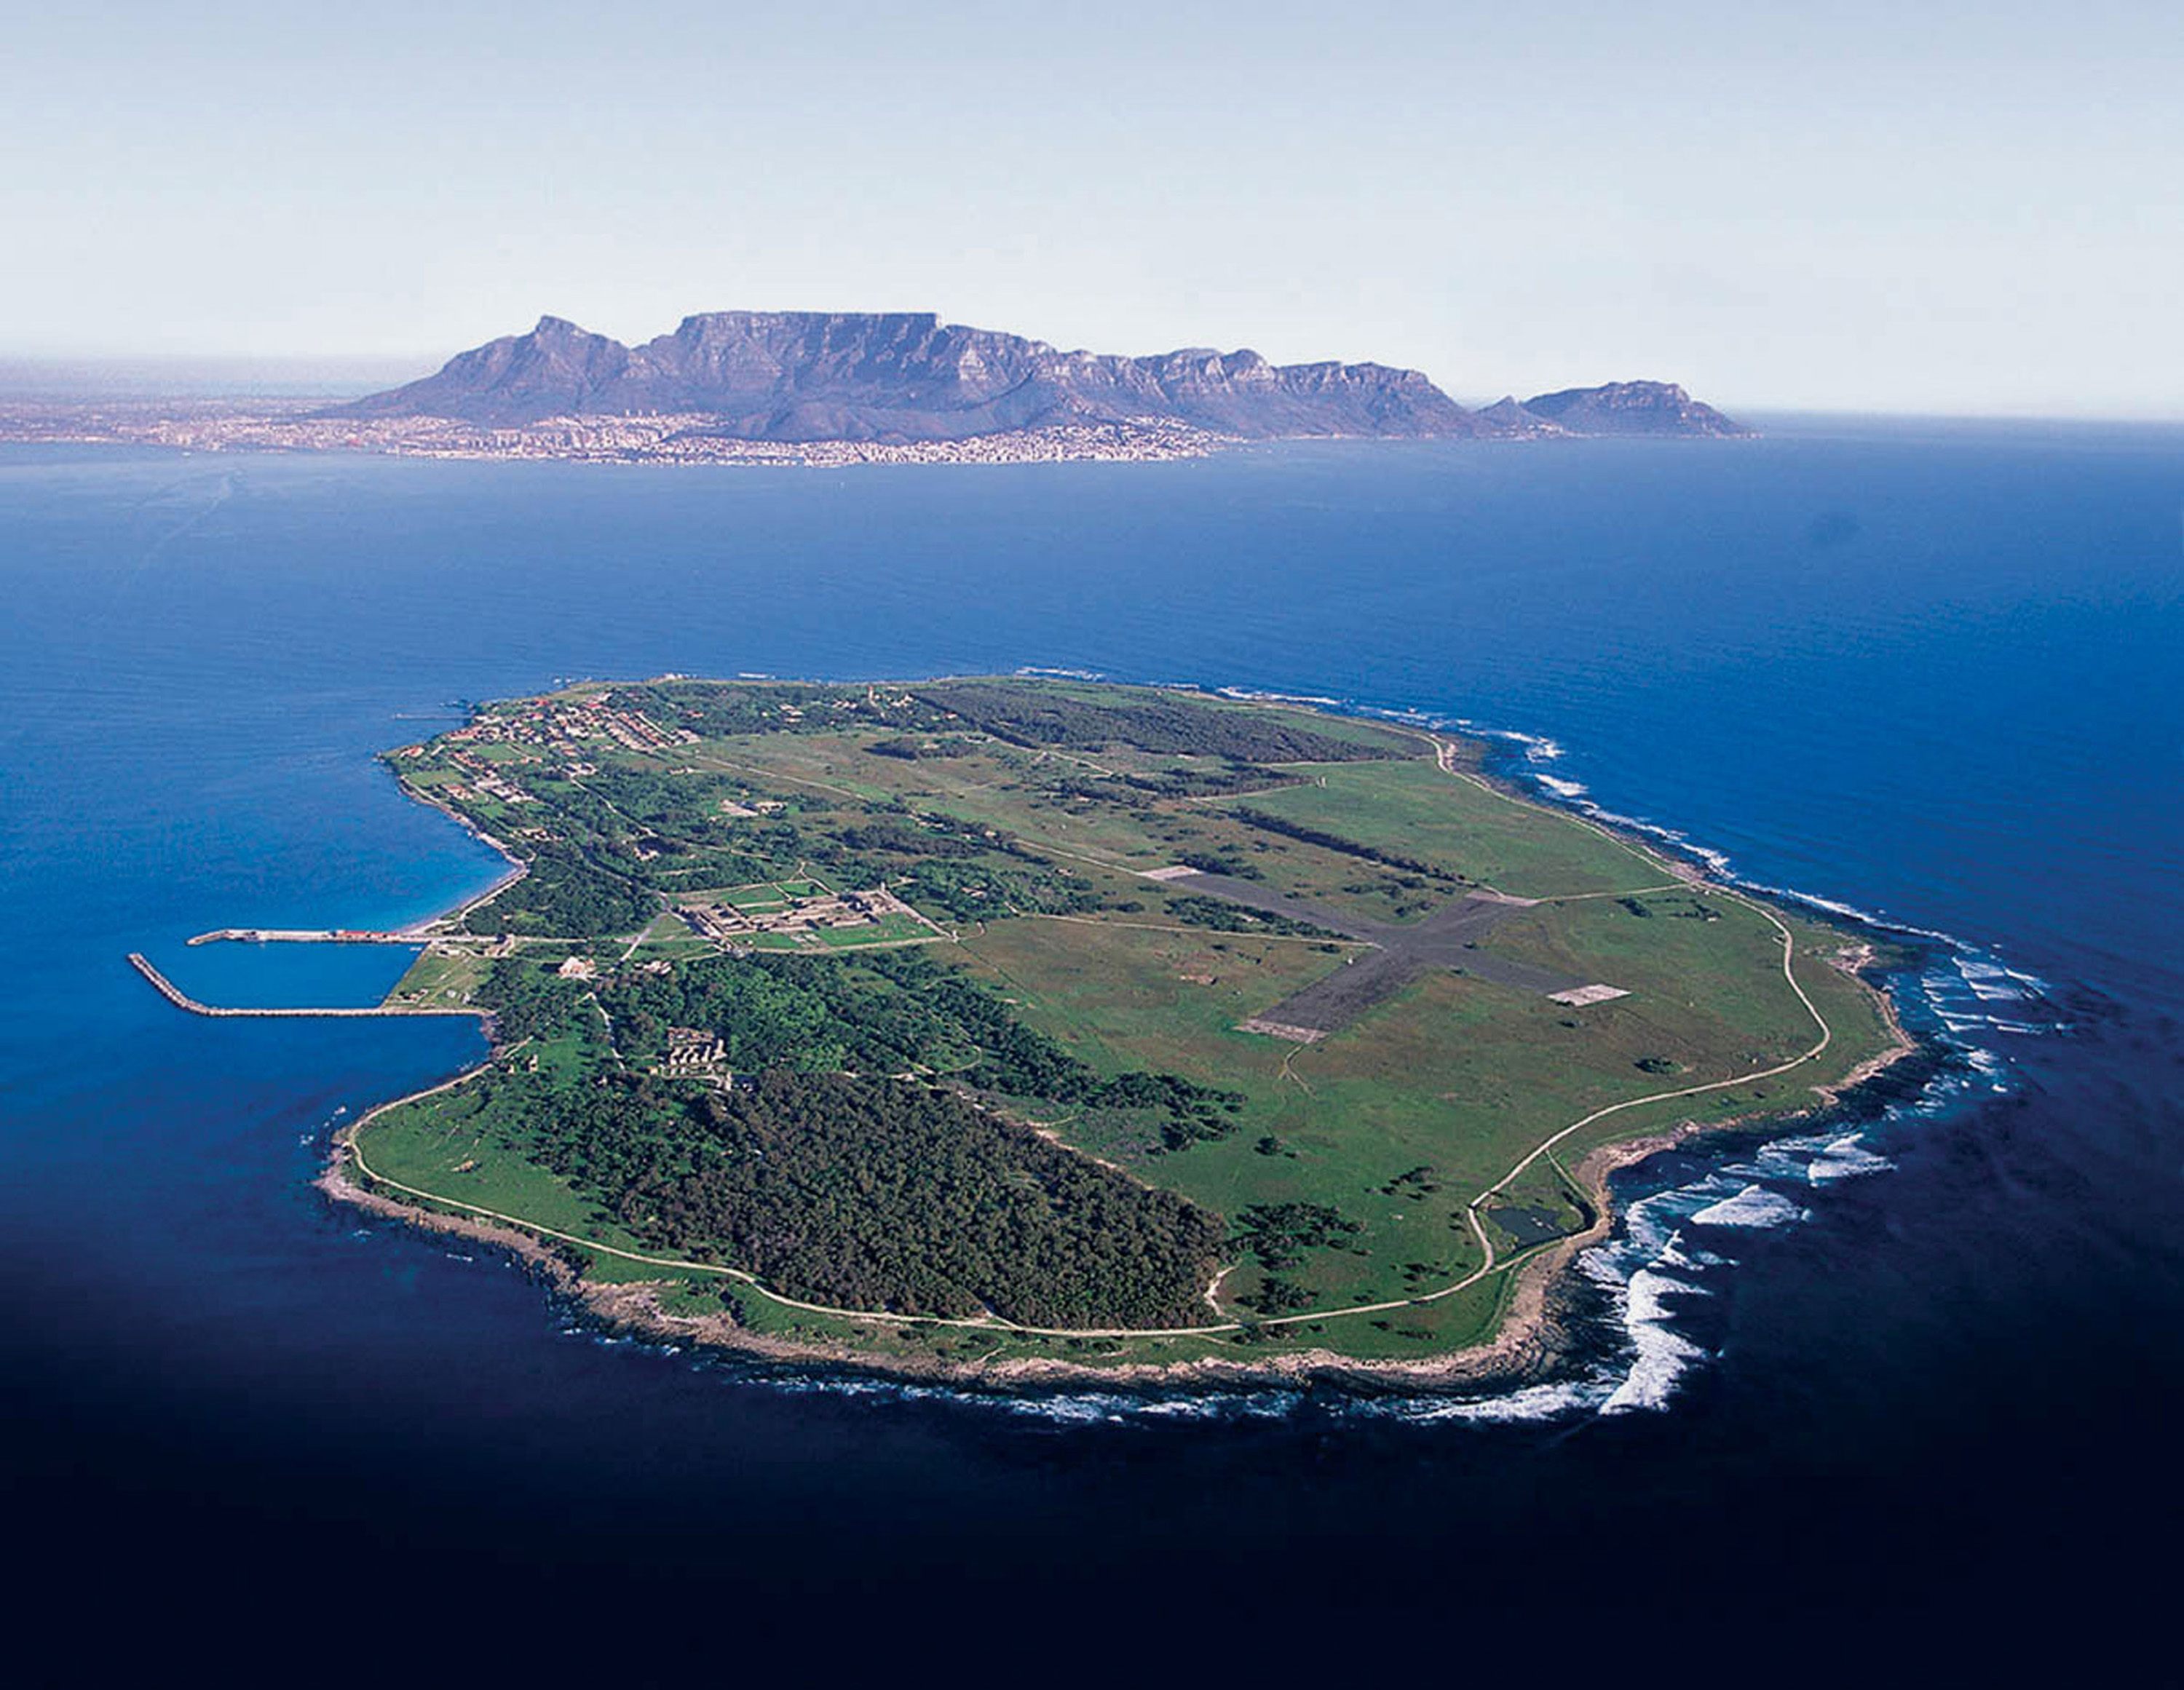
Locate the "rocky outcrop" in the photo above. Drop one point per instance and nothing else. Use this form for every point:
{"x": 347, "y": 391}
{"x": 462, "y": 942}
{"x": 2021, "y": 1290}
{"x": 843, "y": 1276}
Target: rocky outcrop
{"x": 1633, "y": 408}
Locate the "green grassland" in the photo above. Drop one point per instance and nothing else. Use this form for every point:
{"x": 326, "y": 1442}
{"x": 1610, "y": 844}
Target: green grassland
{"x": 460, "y": 1148}
{"x": 439, "y": 977}
{"x": 1465, "y": 827}
{"x": 1046, "y": 1064}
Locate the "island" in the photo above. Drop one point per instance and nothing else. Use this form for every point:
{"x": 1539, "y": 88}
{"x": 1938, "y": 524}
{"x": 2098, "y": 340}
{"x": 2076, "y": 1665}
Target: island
{"x": 1014, "y": 1027}
{"x": 826, "y": 388}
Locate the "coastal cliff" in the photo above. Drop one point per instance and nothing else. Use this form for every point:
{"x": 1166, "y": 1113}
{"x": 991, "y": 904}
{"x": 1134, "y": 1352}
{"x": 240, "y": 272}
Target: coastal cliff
{"x": 1659, "y": 407}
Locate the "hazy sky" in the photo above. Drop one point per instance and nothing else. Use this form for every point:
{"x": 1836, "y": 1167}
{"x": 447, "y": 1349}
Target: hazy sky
{"x": 1866, "y": 206}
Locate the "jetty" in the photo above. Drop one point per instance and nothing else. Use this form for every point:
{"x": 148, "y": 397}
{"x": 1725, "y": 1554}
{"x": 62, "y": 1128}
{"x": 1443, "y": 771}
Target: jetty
{"x": 182, "y": 1000}
{"x": 305, "y": 935}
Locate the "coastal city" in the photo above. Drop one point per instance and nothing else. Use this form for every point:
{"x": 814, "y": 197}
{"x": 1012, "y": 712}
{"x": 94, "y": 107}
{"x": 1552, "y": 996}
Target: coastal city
{"x": 688, "y": 438}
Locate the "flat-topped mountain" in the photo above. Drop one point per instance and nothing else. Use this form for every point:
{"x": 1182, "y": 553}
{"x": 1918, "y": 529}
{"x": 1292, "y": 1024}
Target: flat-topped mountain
{"x": 899, "y": 377}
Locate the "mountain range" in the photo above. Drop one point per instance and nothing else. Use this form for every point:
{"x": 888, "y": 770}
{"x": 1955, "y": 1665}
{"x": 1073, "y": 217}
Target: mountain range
{"x": 902, "y": 377}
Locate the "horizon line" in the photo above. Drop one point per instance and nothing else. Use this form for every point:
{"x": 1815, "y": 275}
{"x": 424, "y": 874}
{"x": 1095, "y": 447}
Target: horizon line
{"x": 226, "y": 376}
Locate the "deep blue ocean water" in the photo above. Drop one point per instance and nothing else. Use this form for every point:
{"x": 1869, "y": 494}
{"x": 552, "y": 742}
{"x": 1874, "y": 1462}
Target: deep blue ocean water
{"x": 1910, "y": 1380}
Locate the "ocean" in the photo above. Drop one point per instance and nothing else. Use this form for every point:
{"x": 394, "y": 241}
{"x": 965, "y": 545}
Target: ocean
{"x": 1909, "y": 1375}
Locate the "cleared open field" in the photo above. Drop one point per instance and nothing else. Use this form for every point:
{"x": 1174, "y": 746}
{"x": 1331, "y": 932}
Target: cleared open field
{"x": 439, "y": 976}
{"x": 1415, "y": 809}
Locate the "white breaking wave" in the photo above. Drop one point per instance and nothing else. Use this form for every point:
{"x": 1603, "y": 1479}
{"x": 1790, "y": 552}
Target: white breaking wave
{"x": 1250, "y": 695}
{"x": 1972, "y": 993}
{"x": 1639, "y": 1272}
{"x": 1755, "y": 1206}
{"x": 1844, "y": 1158}
{"x": 1664, "y": 1354}
{"x": 1550, "y": 1401}
{"x": 1989, "y": 982}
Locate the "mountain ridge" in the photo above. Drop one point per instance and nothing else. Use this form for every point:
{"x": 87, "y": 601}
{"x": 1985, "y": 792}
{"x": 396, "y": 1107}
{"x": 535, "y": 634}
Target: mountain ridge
{"x": 906, "y": 377}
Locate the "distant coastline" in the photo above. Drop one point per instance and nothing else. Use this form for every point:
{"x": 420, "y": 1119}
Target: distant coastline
{"x": 298, "y": 427}
{"x": 829, "y": 389}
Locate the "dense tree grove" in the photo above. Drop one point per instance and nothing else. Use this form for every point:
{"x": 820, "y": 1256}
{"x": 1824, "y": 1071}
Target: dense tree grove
{"x": 1278, "y": 1296}
{"x": 867, "y": 1193}
{"x": 884, "y": 1012}
{"x": 975, "y": 889}
{"x": 895, "y": 835}
{"x": 1224, "y": 917}
{"x": 1221, "y": 863}
{"x": 1232, "y": 776}
{"x": 1036, "y": 716}
{"x": 853, "y": 1163}
{"x": 529, "y": 1001}
{"x": 565, "y": 891}
{"x": 716, "y": 709}
{"x": 1280, "y": 1233}
{"x": 1267, "y": 823}
{"x": 910, "y": 749}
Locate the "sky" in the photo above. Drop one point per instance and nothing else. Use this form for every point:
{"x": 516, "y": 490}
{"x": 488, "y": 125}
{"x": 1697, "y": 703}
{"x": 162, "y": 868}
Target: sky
{"x": 1940, "y": 207}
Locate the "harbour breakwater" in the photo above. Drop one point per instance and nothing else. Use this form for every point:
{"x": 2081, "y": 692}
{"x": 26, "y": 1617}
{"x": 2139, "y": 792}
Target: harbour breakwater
{"x": 182, "y": 1000}
{"x": 303, "y": 936}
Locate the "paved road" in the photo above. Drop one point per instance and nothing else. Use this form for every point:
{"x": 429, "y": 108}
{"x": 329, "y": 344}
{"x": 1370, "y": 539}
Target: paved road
{"x": 1402, "y": 951}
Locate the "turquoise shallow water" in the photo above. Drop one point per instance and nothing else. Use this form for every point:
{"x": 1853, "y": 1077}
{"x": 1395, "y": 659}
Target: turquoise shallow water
{"x": 1926, "y": 671}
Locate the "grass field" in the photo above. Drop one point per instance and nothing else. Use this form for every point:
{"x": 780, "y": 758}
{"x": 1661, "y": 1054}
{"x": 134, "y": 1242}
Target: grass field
{"x": 440, "y": 977}
{"x": 445, "y": 1146}
{"x": 1413, "y": 809}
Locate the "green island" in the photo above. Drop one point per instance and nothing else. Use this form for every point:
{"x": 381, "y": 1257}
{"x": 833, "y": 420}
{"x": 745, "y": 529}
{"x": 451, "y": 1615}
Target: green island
{"x": 1005, "y": 1026}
